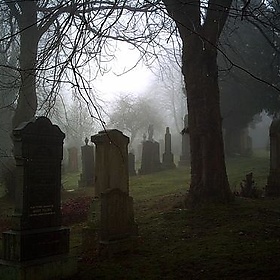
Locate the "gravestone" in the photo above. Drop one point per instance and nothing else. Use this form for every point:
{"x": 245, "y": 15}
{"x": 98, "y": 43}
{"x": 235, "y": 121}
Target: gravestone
{"x": 131, "y": 164}
{"x": 150, "y": 162}
{"x": 36, "y": 243}
{"x": 273, "y": 180}
{"x": 73, "y": 165}
{"x": 87, "y": 176}
{"x": 238, "y": 142}
{"x": 111, "y": 168}
{"x": 185, "y": 156}
{"x": 168, "y": 157}
{"x": 113, "y": 214}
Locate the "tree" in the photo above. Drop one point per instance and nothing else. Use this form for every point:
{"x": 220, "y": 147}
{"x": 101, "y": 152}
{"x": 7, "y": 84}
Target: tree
{"x": 242, "y": 96}
{"x": 199, "y": 24}
{"x": 200, "y": 30}
{"x": 133, "y": 115}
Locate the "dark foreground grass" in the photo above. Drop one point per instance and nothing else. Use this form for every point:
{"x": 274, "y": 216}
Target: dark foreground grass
{"x": 236, "y": 241}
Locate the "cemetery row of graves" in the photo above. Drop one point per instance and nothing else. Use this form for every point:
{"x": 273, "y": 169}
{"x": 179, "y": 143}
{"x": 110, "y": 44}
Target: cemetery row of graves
{"x": 37, "y": 244}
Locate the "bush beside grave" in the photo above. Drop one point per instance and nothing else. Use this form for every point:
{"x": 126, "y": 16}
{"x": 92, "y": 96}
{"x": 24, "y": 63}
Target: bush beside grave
{"x": 75, "y": 210}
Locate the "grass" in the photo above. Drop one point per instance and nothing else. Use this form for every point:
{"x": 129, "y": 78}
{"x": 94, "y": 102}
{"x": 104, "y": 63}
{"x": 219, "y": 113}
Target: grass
{"x": 236, "y": 241}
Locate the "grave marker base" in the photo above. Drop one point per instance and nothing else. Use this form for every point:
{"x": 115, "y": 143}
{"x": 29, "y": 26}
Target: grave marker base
{"x": 116, "y": 247}
{"x": 26, "y": 245}
{"x": 57, "y": 267}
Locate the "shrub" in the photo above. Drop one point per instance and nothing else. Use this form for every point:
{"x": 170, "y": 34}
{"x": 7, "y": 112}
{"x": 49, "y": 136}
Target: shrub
{"x": 75, "y": 210}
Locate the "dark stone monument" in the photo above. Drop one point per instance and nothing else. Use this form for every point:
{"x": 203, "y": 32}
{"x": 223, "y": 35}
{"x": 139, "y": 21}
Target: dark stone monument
{"x": 238, "y": 142}
{"x": 131, "y": 164}
{"x": 73, "y": 165}
{"x": 150, "y": 162}
{"x": 87, "y": 176}
{"x": 113, "y": 214}
{"x": 185, "y": 156}
{"x": 273, "y": 180}
{"x": 168, "y": 157}
{"x": 36, "y": 243}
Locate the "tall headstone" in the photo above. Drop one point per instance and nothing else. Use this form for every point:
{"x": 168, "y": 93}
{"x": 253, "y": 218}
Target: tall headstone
{"x": 114, "y": 216}
{"x": 73, "y": 165}
{"x": 150, "y": 162}
{"x": 238, "y": 142}
{"x": 185, "y": 156}
{"x": 273, "y": 180}
{"x": 87, "y": 176}
{"x": 37, "y": 245}
{"x": 168, "y": 157}
{"x": 111, "y": 168}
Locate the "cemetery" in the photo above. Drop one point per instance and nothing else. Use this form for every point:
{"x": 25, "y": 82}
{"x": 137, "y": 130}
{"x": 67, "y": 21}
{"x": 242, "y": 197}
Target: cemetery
{"x": 139, "y": 140}
{"x": 133, "y": 226}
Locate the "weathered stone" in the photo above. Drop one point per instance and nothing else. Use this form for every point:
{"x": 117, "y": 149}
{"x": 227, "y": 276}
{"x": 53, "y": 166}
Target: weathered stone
{"x": 36, "y": 235}
{"x": 150, "y": 158}
{"x": 73, "y": 165}
{"x": 87, "y": 176}
{"x": 112, "y": 219}
{"x": 168, "y": 157}
{"x": 111, "y": 169}
{"x": 273, "y": 180}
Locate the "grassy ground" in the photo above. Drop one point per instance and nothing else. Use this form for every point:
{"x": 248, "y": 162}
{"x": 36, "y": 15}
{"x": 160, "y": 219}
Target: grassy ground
{"x": 236, "y": 241}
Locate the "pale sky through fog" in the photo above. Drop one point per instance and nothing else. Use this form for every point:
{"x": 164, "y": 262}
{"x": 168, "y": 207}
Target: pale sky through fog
{"x": 135, "y": 81}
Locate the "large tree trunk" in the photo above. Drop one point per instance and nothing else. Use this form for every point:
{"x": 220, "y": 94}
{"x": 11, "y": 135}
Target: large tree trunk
{"x": 29, "y": 38}
{"x": 209, "y": 182}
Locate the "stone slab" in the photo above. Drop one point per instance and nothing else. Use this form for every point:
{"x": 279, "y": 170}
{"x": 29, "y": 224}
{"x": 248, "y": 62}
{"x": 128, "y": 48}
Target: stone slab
{"x": 58, "y": 267}
{"x": 32, "y": 244}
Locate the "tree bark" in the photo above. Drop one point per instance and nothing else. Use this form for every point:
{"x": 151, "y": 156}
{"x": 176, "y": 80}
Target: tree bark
{"x": 29, "y": 38}
{"x": 209, "y": 182}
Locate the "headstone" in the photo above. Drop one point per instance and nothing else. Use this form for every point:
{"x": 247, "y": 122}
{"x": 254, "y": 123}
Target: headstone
{"x": 111, "y": 168}
{"x": 139, "y": 152}
{"x": 87, "y": 176}
{"x": 161, "y": 148}
{"x": 113, "y": 215}
{"x": 36, "y": 243}
{"x": 238, "y": 142}
{"x": 185, "y": 156}
{"x": 168, "y": 157}
{"x": 131, "y": 164}
{"x": 273, "y": 180}
{"x": 150, "y": 160}
{"x": 73, "y": 165}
